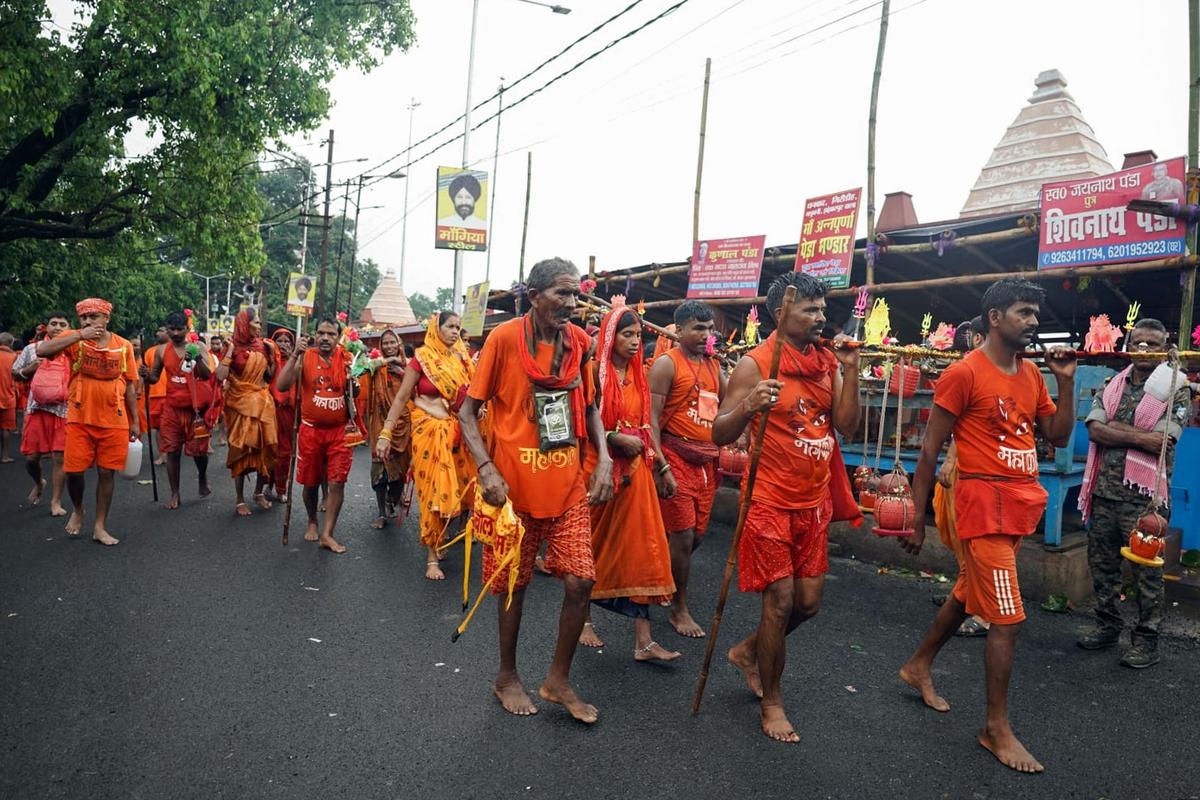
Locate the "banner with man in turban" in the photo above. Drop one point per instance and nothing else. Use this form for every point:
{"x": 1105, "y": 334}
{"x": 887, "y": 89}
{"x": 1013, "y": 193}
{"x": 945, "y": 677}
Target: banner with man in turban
{"x": 461, "y": 209}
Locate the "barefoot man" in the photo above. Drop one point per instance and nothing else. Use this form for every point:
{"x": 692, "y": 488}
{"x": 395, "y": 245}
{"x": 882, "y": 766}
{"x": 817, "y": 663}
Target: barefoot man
{"x": 187, "y": 396}
{"x": 45, "y": 430}
{"x": 533, "y": 370}
{"x": 686, "y": 387}
{"x": 101, "y": 409}
{"x": 321, "y": 451}
{"x": 991, "y": 401}
{"x": 784, "y": 550}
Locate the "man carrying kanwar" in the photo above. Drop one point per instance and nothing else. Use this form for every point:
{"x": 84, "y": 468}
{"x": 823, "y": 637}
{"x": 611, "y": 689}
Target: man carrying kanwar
{"x": 45, "y": 432}
{"x": 686, "y": 387}
{"x": 991, "y": 400}
{"x": 285, "y": 417}
{"x": 801, "y": 485}
{"x": 1126, "y": 426}
{"x": 101, "y": 409}
{"x": 533, "y": 373}
{"x": 185, "y": 374}
{"x": 322, "y": 456}
{"x": 249, "y": 410}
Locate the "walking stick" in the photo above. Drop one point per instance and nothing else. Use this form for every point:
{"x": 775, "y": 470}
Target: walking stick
{"x": 751, "y": 474}
{"x": 287, "y": 512}
{"x": 150, "y": 440}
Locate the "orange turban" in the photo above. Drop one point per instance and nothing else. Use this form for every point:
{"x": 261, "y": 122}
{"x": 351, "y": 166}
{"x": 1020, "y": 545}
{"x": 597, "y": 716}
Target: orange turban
{"x": 93, "y": 305}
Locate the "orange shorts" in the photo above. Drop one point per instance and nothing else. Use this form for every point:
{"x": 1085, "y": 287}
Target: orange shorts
{"x": 322, "y": 455}
{"x": 88, "y": 446}
{"x": 8, "y": 419}
{"x": 568, "y": 541}
{"x": 175, "y": 433}
{"x": 44, "y": 433}
{"x": 782, "y": 543}
{"x": 987, "y": 583}
{"x": 695, "y": 487}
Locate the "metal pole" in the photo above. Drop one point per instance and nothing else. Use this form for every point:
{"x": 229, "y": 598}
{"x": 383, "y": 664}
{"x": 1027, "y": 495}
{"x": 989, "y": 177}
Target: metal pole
{"x": 412, "y": 104}
{"x": 1193, "y": 173}
{"x": 304, "y": 218}
{"x": 354, "y": 254}
{"x": 883, "y": 26}
{"x": 337, "y": 275}
{"x": 319, "y": 310}
{"x": 487, "y": 272}
{"x": 458, "y": 267}
{"x": 700, "y": 156}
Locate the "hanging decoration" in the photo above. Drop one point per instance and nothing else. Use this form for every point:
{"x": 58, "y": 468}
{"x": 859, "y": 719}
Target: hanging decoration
{"x": 751, "y": 329}
{"x": 1102, "y": 335}
{"x": 879, "y": 323}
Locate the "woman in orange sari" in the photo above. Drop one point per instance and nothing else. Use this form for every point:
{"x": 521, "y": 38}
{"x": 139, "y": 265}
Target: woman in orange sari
{"x": 629, "y": 542}
{"x": 435, "y": 382}
{"x": 247, "y": 368}
{"x": 388, "y": 471}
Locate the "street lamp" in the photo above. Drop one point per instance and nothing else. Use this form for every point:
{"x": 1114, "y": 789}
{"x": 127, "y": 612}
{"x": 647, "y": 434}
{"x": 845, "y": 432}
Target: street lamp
{"x": 354, "y": 252}
{"x": 207, "y": 303}
{"x": 458, "y": 287}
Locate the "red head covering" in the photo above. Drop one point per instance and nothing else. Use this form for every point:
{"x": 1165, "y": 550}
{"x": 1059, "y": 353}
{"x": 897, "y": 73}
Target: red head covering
{"x": 244, "y": 340}
{"x": 93, "y": 305}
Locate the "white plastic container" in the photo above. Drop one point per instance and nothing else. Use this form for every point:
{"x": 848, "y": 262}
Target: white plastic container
{"x": 133, "y": 460}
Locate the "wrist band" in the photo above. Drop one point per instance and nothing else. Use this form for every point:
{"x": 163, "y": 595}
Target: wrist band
{"x": 484, "y": 464}
{"x": 665, "y": 468}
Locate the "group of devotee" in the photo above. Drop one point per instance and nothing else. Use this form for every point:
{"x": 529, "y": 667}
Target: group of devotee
{"x": 608, "y": 460}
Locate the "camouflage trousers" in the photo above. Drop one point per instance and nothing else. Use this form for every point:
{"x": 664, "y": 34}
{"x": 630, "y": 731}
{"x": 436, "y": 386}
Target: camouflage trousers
{"x": 1112, "y": 522}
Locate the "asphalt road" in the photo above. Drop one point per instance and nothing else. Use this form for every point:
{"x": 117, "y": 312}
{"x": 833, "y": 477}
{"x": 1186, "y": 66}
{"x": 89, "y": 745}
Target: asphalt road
{"x": 199, "y": 658}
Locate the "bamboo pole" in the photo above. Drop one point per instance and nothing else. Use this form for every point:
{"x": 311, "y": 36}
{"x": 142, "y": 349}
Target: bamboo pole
{"x": 700, "y": 155}
{"x": 883, "y": 26}
{"x": 524, "y": 225}
{"x": 789, "y": 297}
{"x": 1193, "y": 175}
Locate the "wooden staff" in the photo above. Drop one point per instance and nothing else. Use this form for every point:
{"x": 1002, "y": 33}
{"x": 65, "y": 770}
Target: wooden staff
{"x": 150, "y": 439}
{"x": 751, "y": 474}
{"x": 287, "y": 512}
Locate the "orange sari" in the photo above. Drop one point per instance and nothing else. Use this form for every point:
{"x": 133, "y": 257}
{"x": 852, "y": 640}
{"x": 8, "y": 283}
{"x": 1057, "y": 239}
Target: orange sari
{"x": 250, "y": 414}
{"x": 382, "y": 389}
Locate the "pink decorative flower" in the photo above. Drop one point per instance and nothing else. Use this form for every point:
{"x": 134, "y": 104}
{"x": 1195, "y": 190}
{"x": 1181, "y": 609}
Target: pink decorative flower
{"x": 187, "y": 312}
{"x": 587, "y": 286}
{"x": 342, "y": 317}
{"x": 352, "y": 335}
{"x": 1196, "y": 336}
{"x": 376, "y": 353}
{"x": 710, "y": 345}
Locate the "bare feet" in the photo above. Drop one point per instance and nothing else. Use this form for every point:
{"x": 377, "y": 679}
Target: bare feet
{"x": 102, "y": 536}
{"x": 748, "y": 665}
{"x": 433, "y": 572}
{"x": 262, "y": 502}
{"x": 173, "y": 503}
{"x": 655, "y": 652}
{"x": 56, "y": 509}
{"x": 162, "y": 459}
{"x": 684, "y": 625}
{"x": 1010, "y": 752}
{"x": 321, "y": 507}
{"x": 331, "y": 544}
{"x": 35, "y": 494}
{"x": 379, "y": 523}
{"x": 205, "y": 491}
{"x": 920, "y": 679}
{"x": 588, "y": 636}
{"x": 539, "y": 564}
{"x": 775, "y": 724}
{"x": 7, "y": 460}
{"x": 75, "y": 523}
{"x": 242, "y": 510}
{"x": 514, "y": 698}
{"x": 565, "y": 696}
{"x": 310, "y": 533}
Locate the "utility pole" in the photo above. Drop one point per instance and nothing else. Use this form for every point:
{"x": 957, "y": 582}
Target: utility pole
{"x": 337, "y": 279}
{"x": 870, "y": 256}
{"x": 487, "y": 274}
{"x": 304, "y": 217}
{"x": 524, "y": 226}
{"x": 320, "y": 309}
{"x": 458, "y": 267}
{"x": 412, "y": 104}
{"x": 700, "y": 157}
{"x": 354, "y": 249}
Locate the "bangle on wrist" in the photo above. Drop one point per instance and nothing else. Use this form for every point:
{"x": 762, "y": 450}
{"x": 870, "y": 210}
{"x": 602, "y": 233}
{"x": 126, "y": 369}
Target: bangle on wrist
{"x": 484, "y": 464}
{"x": 665, "y": 468}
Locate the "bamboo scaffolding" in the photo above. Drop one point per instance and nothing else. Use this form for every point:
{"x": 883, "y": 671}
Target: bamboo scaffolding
{"x": 871, "y": 253}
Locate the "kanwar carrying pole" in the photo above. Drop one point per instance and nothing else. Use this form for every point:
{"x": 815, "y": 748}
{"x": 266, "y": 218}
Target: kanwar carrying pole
{"x": 751, "y": 474}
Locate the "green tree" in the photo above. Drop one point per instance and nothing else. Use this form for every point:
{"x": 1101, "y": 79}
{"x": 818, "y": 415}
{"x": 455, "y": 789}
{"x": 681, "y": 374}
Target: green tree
{"x": 423, "y": 306}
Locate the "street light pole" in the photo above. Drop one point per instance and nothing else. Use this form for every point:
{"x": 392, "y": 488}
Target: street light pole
{"x": 412, "y": 104}
{"x": 326, "y": 225}
{"x": 456, "y": 297}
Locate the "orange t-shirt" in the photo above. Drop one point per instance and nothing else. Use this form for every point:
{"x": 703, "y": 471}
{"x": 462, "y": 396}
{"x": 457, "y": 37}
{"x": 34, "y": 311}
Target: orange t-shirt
{"x": 996, "y": 415}
{"x": 323, "y": 389}
{"x": 543, "y": 485}
{"x": 98, "y": 379}
{"x": 178, "y": 390}
{"x": 681, "y": 410}
{"x": 793, "y": 469}
{"x": 8, "y": 386}
{"x": 159, "y": 387}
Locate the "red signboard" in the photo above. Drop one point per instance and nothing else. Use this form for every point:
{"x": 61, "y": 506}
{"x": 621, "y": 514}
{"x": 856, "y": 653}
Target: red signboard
{"x": 726, "y": 267}
{"x": 1085, "y": 221}
{"x": 826, "y": 248}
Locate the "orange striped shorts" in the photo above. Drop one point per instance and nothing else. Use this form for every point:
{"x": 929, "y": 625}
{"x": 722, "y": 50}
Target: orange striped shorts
{"x": 987, "y": 583}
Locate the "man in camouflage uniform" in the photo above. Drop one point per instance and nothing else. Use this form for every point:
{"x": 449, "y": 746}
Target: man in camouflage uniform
{"x": 1117, "y": 506}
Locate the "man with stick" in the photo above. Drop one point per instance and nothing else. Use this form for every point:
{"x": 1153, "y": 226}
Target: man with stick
{"x": 534, "y": 374}
{"x": 187, "y": 396}
{"x": 321, "y": 452}
{"x": 1126, "y": 427}
{"x": 102, "y": 413}
{"x": 783, "y": 551}
{"x": 991, "y": 401}
{"x": 686, "y": 387}
{"x": 46, "y": 414}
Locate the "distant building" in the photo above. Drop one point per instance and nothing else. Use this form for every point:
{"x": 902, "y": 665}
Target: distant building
{"x": 388, "y": 306}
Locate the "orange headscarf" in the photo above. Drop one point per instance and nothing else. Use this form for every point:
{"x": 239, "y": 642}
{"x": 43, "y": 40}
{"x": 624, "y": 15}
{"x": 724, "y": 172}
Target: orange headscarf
{"x": 612, "y": 402}
{"x": 244, "y": 340}
{"x": 449, "y": 368}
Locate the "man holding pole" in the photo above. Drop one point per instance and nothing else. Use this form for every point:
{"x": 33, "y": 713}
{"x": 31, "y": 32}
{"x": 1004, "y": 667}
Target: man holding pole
{"x": 534, "y": 374}
{"x": 686, "y": 387}
{"x": 991, "y": 401}
{"x": 102, "y": 413}
{"x": 801, "y": 482}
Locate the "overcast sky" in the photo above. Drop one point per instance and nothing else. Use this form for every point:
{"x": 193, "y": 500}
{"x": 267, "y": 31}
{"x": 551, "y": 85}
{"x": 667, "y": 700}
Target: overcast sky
{"x": 614, "y": 143}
